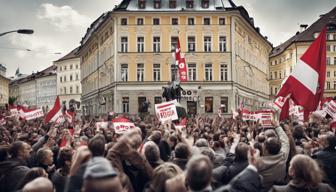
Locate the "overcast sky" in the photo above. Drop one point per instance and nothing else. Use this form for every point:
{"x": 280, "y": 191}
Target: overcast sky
{"x": 59, "y": 25}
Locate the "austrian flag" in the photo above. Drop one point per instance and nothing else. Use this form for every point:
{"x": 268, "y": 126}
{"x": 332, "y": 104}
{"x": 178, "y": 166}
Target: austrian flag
{"x": 55, "y": 112}
{"x": 306, "y": 83}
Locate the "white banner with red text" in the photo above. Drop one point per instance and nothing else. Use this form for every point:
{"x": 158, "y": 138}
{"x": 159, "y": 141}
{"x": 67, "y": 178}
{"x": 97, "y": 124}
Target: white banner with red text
{"x": 166, "y": 111}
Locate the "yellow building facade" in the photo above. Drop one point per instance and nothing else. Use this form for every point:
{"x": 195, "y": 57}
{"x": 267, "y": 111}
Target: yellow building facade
{"x": 4, "y": 92}
{"x": 284, "y": 57}
{"x": 127, "y": 56}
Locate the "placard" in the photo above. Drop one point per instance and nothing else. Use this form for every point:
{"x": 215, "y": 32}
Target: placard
{"x": 166, "y": 111}
{"x": 331, "y": 109}
{"x": 266, "y": 119}
{"x": 101, "y": 125}
{"x": 14, "y": 112}
{"x": 121, "y": 125}
{"x": 34, "y": 114}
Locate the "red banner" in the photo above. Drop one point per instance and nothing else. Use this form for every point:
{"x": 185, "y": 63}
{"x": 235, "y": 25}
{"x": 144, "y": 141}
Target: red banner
{"x": 183, "y": 70}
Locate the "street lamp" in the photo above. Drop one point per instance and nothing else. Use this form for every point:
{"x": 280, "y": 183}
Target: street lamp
{"x": 21, "y": 31}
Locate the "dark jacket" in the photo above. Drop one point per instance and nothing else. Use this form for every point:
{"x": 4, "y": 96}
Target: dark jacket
{"x": 12, "y": 172}
{"x": 224, "y": 174}
{"x": 59, "y": 180}
{"x": 75, "y": 182}
{"x": 165, "y": 151}
{"x": 182, "y": 163}
{"x": 291, "y": 187}
{"x": 247, "y": 181}
{"x": 327, "y": 161}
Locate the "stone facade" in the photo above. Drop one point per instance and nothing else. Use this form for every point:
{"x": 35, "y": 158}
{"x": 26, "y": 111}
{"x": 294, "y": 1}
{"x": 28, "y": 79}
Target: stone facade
{"x": 126, "y": 56}
{"x": 69, "y": 87}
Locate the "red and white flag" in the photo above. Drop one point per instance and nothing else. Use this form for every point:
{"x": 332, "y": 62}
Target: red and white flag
{"x": 55, "y": 112}
{"x": 183, "y": 70}
{"x": 70, "y": 116}
{"x": 306, "y": 83}
{"x": 178, "y": 52}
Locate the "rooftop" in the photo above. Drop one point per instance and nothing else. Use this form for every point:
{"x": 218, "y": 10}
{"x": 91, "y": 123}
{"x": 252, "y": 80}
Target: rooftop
{"x": 181, "y": 5}
{"x": 44, "y": 73}
{"x": 70, "y": 55}
{"x": 309, "y": 34}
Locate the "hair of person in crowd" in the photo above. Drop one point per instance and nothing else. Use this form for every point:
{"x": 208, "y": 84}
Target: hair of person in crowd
{"x": 172, "y": 141}
{"x": 83, "y": 140}
{"x": 97, "y": 145}
{"x": 199, "y": 173}
{"x": 44, "y": 156}
{"x": 64, "y": 159}
{"x": 202, "y": 143}
{"x": 40, "y": 184}
{"x": 32, "y": 174}
{"x": 241, "y": 152}
{"x": 20, "y": 150}
{"x": 155, "y": 137}
{"x": 272, "y": 146}
{"x": 182, "y": 151}
{"x": 161, "y": 174}
{"x": 305, "y": 171}
{"x": 152, "y": 152}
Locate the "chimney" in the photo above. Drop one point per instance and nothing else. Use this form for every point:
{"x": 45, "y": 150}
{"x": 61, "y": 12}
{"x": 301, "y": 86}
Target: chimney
{"x": 303, "y": 27}
{"x": 258, "y": 29}
{"x": 252, "y": 20}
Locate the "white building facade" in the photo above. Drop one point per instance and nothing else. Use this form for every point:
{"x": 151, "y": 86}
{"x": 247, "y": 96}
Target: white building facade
{"x": 37, "y": 90}
{"x": 68, "y": 80}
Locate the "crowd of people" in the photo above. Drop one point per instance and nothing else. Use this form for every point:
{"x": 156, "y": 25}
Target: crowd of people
{"x": 211, "y": 153}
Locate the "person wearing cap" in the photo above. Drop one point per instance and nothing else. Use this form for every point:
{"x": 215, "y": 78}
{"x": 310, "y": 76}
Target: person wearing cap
{"x": 99, "y": 176}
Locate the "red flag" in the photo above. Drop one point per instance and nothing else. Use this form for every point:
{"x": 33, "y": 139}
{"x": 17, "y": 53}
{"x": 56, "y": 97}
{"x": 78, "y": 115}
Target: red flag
{"x": 284, "y": 114}
{"x": 55, "y": 112}
{"x": 183, "y": 70}
{"x": 178, "y": 52}
{"x": 306, "y": 83}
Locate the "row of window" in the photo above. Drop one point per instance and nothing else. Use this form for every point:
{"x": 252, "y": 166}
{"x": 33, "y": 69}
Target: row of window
{"x": 274, "y": 75}
{"x": 64, "y": 79}
{"x": 191, "y": 67}
{"x": 189, "y": 4}
{"x": 64, "y": 90}
{"x": 331, "y": 48}
{"x": 174, "y": 21}
{"x": 331, "y": 36}
{"x": 191, "y": 44}
{"x": 328, "y": 73}
{"x": 328, "y": 87}
{"x": 208, "y": 104}
{"x": 282, "y": 59}
{"x": 64, "y": 68}
{"x": 331, "y": 61}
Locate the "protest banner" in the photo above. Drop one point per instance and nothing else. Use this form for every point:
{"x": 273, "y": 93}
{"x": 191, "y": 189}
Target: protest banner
{"x": 166, "y": 111}
{"x": 101, "y": 125}
{"x": 331, "y": 109}
{"x": 14, "y": 112}
{"x": 34, "y": 114}
{"x": 121, "y": 125}
{"x": 266, "y": 118}
{"x": 246, "y": 115}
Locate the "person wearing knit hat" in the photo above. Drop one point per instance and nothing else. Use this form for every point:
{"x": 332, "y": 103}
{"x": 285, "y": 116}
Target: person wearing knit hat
{"x": 100, "y": 176}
